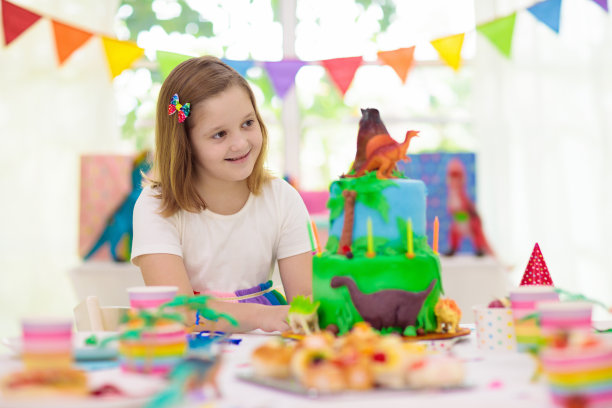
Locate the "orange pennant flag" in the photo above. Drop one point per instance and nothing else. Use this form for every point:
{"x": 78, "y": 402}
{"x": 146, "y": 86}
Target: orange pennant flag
{"x": 68, "y": 39}
{"x": 401, "y": 60}
{"x": 120, "y": 54}
{"x": 449, "y": 49}
{"x": 342, "y": 71}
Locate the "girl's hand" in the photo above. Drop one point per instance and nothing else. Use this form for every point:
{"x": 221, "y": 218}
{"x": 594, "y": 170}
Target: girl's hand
{"x": 274, "y": 318}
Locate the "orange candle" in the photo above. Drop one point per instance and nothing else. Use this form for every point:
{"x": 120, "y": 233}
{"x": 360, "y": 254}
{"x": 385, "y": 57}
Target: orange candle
{"x": 435, "y": 235}
{"x": 316, "y": 235}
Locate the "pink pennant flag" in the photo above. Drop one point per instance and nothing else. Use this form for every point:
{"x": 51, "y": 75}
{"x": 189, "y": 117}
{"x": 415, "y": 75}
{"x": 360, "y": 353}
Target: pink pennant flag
{"x": 282, "y": 74}
{"x": 342, "y": 71}
{"x": 16, "y": 20}
{"x": 536, "y": 272}
{"x": 603, "y": 4}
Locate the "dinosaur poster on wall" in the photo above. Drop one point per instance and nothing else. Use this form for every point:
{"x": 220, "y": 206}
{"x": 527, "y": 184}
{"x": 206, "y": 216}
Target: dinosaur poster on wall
{"x": 110, "y": 185}
{"x": 433, "y": 169}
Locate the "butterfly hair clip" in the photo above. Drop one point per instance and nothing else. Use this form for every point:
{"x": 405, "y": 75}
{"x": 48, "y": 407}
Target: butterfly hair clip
{"x": 175, "y": 106}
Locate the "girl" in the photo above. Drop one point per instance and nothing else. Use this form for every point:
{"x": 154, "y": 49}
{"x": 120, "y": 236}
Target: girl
{"x": 212, "y": 220}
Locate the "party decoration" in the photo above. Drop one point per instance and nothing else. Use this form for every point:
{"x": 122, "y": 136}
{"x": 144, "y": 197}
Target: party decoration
{"x": 175, "y": 106}
{"x": 282, "y": 74}
{"x": 120, "y": 54}
{"x": 401, "y": 60}
{"x": 500, "y": 32}
{"x": 68, "y": 39}
{"x": 536, "y": 272}
{"x": 241, "y": 66}
{"x": 548, "y": 12}
{"x": 449, "y": 49}
{"x": 602, "y": 3}
{"x": 16, "y": 20}
{"x": 342, "y": 71}
{"x": 169, "y": 60}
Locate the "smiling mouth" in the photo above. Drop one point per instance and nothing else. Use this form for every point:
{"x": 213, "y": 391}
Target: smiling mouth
{"x": 239, "y": 158}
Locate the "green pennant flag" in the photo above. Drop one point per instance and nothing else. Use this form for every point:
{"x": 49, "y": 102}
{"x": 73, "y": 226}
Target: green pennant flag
{"x": 168, "y": 60}
{"x": 499, "y": 32}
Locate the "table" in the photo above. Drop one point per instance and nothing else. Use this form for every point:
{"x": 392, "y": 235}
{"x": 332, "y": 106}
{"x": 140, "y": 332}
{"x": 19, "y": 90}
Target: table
{"x": 498, "y": 381}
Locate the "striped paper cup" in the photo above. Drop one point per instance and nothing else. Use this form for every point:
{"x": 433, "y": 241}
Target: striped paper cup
{"x": 150, "y": 297}
{"x": 523, "y": 301}
{"x": 494, "y": 329}
{"x": 564, "y": 317}
{"x": 580, "y": 376}
{"x": 46, "y": 342}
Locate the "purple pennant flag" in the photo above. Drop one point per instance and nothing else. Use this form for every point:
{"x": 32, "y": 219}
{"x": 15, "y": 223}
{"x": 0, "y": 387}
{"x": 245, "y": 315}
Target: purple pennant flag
{"x": 282, "y": 74}
{"x": 603, "y": 4}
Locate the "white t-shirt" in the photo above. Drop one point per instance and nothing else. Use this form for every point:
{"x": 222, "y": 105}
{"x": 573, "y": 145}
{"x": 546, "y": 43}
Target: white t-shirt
{"x": 225, "y": 253}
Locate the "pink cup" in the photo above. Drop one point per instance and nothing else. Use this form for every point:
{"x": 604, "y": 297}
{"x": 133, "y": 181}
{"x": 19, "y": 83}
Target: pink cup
{"x": 150, "y": 297}
{"x": 564, "y": 317}
{"x": 46, "y": 342}
{"x": 524, "y": 300}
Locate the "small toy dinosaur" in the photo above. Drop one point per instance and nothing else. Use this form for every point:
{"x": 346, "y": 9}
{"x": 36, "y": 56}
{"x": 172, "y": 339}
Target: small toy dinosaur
{"x": 448, "y": 315}
{"x": 382, "y": 153}
{"x": 302, "y": 316}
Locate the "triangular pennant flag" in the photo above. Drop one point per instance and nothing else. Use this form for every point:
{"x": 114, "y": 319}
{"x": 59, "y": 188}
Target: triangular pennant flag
{"x": 401, "y": 60}
{"x": 500, "y": 32}
{"x": 603, "y": 4}
{"x": 449, "y": 49}
{"x": 282, "y": 74}
{"x": 241, "y": 66}
{"x": 342, "y": 71}
{"x": 15, "y": 21}
{"x": 536, "y": 272}
{"x": 548, "y": 12}
{"x": 68, "y": 39}
{"x": 169, "y": 60}
{"x": 120, "y": 54}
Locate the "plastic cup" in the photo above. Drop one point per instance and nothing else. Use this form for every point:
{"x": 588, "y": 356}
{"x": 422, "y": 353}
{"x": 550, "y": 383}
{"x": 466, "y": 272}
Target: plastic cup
{"x": 524, "y": 300}
{"x": 46, "y": 342}
{"x": 494, "y": 329}
{"x": 150, "y": 297}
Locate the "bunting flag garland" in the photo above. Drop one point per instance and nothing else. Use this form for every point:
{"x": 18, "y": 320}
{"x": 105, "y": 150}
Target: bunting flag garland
{"x": 68, "y": 39}
{"x": 15, "y": 21}
{"x": 241, "y": 66}
{"x": 401, "y": 60}
{"x": 449, "y": 49}
{"x": 282, "y": 74}
{"x": 536, "y": 272}
{"x": 342, "y": 71}
{"x": 603, "y": 4}
{"x": 548, "y": 12}
{"x": 500, "y": 33}
{"x": 120, "y": 54}
{"x": 169, "y": 60}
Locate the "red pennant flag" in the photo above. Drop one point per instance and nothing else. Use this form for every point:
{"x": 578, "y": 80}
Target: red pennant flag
{"x": 401, "y": 60}
{"x": 68, "y": 39}
{"x": 15, "y": 21}
{"x": 536, "y": 272}
{"x": 342, "y": 71}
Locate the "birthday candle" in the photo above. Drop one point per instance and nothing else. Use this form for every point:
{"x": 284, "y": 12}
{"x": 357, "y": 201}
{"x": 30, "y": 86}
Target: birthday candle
{"x": 370, "y": 252}
{"x": 312, "y": 244}
{"x": 316, "y": 235}
{"x": 410, "y": 251}
{"x": 435, "y": 235}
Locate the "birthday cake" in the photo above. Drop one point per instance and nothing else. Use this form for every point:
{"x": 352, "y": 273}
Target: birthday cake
{"x": 377, "y": 265}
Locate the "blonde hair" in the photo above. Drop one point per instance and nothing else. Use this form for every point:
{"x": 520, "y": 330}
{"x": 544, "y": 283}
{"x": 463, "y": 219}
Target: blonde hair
{"x": 194, "y": 80}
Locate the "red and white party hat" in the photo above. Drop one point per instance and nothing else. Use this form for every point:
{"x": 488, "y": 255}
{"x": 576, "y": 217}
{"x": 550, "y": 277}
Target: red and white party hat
{"x": 536, "y": 272}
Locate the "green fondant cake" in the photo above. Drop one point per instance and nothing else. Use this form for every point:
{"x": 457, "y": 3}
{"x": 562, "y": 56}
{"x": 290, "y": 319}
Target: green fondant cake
{"x": 367, "y": 271}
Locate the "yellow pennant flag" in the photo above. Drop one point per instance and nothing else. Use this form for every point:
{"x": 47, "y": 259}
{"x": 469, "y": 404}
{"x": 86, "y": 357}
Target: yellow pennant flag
{"x": 449, "y": 49}
{"x": 120, "y": 54}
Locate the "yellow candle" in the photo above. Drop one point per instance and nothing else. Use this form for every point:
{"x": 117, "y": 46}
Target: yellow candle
{"x": 370, "y": 253}
{"x": 316, "y": 235}
{"x": 435, "y": 235}
{"x": 410, "y": 250}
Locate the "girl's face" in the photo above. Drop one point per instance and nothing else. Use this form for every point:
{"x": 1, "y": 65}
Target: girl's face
{"x": 225, "y": 136}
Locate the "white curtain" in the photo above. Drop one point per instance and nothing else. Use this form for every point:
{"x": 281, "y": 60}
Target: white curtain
{"x": 49, "y": 116}
{"x": 543, "y": 119}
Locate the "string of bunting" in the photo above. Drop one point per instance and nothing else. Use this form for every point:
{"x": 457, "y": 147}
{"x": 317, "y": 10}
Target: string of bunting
{"x": 122, "y": 55}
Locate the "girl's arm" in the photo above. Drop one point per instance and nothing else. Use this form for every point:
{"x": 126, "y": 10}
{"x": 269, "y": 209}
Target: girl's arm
{"x": 296, "y": 274}
{"x": 167, "y": 269}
